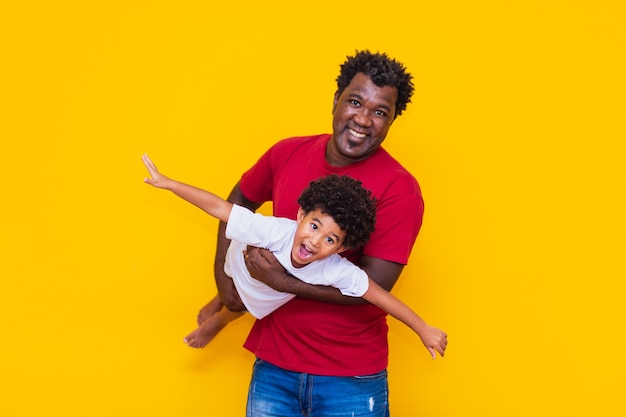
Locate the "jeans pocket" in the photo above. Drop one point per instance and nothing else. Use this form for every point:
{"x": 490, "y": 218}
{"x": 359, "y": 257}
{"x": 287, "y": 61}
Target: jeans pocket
{"x": 372, "y": 377}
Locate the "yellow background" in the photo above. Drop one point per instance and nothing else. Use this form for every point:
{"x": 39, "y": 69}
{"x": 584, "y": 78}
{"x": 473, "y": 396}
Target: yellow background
{"x": 516, "y": 134}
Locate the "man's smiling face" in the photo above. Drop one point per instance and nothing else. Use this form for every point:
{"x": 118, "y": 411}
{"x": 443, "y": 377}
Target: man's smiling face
{"x": 362, "y": 116}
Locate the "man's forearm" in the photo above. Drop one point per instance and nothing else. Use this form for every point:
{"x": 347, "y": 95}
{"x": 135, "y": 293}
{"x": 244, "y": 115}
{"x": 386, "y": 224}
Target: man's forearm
{"x": 285, "y": 282}
{"x": 324, "y": 293}
{"x": 225, "y": 286}
{"x": 384, "y": 273}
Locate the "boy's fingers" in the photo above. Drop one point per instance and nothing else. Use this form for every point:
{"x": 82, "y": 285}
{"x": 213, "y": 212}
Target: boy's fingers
{"x": 432, "y": 352}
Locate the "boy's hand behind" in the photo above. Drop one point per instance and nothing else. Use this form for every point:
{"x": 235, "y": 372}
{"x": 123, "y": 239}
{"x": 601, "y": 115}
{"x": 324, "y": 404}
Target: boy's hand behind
{"x": 435, "y": 340}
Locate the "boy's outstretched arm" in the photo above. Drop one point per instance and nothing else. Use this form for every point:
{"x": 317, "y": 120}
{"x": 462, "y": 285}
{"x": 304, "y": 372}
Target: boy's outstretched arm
{"x": 205, "y": 200}
{"x": 433, "y": 338}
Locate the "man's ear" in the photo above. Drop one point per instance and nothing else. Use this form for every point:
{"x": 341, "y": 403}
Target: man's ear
{"x": 335, "y": 100}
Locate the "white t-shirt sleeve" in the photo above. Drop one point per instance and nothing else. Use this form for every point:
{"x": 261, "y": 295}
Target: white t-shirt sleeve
{"x": 345, "y": 276}
{"x": 253, "y": 228}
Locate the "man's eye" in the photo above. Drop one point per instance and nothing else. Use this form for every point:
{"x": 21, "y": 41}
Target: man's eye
{"x": 355, "y": 103}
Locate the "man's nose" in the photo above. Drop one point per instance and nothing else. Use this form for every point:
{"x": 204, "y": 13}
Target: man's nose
{"x": 363, "y": 118}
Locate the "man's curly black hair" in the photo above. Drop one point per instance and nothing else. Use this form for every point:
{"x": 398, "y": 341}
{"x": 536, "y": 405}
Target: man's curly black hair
{"x": 346, "y": 200}
{"x": 382, "y": 70}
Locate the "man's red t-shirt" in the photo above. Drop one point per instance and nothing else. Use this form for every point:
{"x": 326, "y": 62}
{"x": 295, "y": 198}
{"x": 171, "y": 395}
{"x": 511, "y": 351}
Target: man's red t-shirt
{"x": 321, "y": 338}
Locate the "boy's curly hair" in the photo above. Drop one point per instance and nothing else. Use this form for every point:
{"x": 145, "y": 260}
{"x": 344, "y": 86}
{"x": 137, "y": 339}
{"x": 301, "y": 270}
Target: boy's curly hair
{"x": 347, "y": 202}
{"x": 382, "y": 70}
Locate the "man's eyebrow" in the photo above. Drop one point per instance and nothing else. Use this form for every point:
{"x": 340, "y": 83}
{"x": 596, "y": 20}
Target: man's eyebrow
{"x": 385, "y": 107}
{"x": 379, "y": 105}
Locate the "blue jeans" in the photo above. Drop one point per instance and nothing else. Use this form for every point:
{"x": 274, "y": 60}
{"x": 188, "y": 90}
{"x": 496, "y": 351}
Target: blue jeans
{"x": 275, "y": 392}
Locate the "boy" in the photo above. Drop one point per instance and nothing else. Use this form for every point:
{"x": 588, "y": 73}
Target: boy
{"x": 335, "y": 214}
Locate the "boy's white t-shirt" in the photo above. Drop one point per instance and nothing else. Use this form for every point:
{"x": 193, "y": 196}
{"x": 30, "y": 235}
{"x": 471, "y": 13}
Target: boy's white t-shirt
{"x": 277, "y": 234}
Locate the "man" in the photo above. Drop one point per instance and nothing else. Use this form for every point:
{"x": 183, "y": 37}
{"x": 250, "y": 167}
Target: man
{"x": 323, "y": 353}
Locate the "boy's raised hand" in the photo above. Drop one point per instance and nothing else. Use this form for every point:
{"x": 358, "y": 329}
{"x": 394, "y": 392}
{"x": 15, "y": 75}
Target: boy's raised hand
{"x": 435, "y": 340}
{"x": 156, "y": 179}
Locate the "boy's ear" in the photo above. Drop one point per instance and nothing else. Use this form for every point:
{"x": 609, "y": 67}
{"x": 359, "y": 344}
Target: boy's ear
{"x": 341, "y": 248}
{"x": 301, "y": 214}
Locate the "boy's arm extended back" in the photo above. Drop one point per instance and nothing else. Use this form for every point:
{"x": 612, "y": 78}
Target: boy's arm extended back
{"x": 205, "y": 200}
{"x": 433, "y": 338}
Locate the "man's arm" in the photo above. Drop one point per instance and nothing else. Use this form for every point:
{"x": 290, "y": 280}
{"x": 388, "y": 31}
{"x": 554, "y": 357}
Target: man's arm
{"x": 263, "y": 266}
{"x": 225, "y": 287}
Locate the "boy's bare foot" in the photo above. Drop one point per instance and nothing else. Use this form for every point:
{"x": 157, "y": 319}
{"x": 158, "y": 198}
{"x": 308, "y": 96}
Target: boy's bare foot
{"x": 200, "y": 337}
{"x": 209, "y": 309}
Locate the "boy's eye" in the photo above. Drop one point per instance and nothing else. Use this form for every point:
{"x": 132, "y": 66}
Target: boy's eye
{"x": 313, "y": 226}
{"x": 330, "y": 240}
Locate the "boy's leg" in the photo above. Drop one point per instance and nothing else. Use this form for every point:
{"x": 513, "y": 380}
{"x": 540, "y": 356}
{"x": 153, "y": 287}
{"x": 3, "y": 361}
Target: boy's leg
{"x": 211, "y": 327}
{"x": 209, "y": 309}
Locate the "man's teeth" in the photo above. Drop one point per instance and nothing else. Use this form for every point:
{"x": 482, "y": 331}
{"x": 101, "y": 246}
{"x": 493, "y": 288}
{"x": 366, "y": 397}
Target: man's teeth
{"x": 357, "y": 134}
